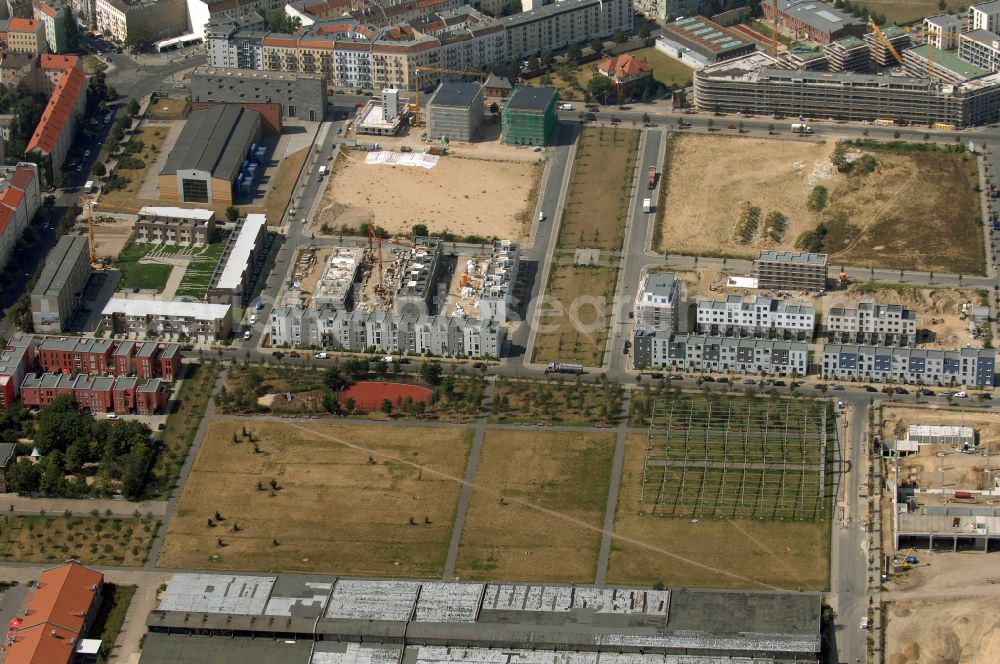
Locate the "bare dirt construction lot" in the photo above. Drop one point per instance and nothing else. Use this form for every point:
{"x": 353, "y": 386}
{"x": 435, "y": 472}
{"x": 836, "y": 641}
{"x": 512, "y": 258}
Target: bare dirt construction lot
{"x": 868, "y": 219}
{"x": 554, "y": 489}
{"x": 466, "y": 196}
{"x": 711, "y": 553}
{"x": 960, "y": 471}
{"x": 947, "y": 609}
{"x": 336, "y": 509}
{"x": 111, "y": 236}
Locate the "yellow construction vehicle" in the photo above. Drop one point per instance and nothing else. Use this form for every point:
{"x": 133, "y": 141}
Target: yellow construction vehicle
{"x": 415, "y": 118}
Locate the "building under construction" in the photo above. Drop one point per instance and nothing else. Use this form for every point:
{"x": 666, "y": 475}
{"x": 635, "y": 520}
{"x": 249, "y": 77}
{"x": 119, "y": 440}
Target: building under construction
{"x": 415, "y": 276}
{"x": 756, "y": 84}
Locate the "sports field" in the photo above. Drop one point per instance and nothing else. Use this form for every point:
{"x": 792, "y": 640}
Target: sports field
{"x": 344, "y": 500}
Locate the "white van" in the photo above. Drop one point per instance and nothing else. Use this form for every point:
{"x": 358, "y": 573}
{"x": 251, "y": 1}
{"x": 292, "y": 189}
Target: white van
{"x": 565, "y": 107}
{"x": 246, "y": 335}
{"x": 321, "y": 356}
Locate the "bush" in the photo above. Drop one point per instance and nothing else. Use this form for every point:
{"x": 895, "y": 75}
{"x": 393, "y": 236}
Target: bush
{"x": 817, "y": 198}
{"x": 812, "y": 241}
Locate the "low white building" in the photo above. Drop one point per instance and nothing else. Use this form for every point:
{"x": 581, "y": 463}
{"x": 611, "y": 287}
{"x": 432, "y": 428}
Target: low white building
{"x": 497, "y": 296}
{"x": 963, "y": 366}
{"x": 141, "y": 318}
{"x": 760, "y": 316}
{"x": 657, "y": 301}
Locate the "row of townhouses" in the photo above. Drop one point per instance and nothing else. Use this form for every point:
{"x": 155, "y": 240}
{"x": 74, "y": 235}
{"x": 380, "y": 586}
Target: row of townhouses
{"x": 352, "y": 53}
{"x": 682, "y": 352}
{"x": 412, "y": 334}
{"x": 761, "y": 316}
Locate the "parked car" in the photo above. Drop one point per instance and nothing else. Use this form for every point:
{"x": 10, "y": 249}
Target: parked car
{"x": 779, "y": 383}
{"x": 676, "y": 377}
{"x": 707, "y": 379}
{"x": 869, "y": 388}
{"x": 961, "y": 395}
{"x": 928, "y": 393}
{"x": 322, "y": 356}
{"x": 749, "y": 381}
{"x": 732, "y": 126}
{"x": 294, "y": 354}
{"x": 838, "y": 387}
{"x": 656, "y": 376}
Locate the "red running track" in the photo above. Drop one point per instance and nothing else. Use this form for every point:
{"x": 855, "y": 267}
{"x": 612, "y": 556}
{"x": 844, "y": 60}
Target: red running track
{"x": 752, "y": 33}
{"x": 368, "y": 395}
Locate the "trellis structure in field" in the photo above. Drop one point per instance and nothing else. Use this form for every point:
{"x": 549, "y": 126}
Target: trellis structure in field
{"x": 737, "y": 457}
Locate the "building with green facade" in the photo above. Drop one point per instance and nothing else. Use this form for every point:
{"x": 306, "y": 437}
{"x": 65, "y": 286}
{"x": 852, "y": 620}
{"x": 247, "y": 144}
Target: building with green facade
{"x": 529, "y": 116}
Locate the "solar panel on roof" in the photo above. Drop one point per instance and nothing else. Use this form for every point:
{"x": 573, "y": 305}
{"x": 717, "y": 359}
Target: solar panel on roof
{"x": 703, "y": 31}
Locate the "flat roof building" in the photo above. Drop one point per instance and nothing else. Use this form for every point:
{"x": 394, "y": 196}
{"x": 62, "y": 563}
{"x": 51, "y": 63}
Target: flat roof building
{"x": 880, "y": 53}
{"x": 138, "y": 318}
{"x": 980, "y": 48}
{"x": 56, "y": 295}
{"x": 708, "y": 39}
{"x": 985, "y": 16}
{"x": 760, "y": 317}
{"x": 657, "y": 302}
{"x": 790, "y": 270}
{"x": 205, "y": 163}
{"x": 235, "y": 271}
{"x": 848, "y": 54}
{"x": 964, "y": 366}
{"x": 418, "y": 276}
{"x": 389, "y": 620}
{"x": 496, "y": 300}
{"x": 381, "y": 117}
{"x": 757, "y": 84}
{"x": 943, "y": 30}
{"x": 813, "y": 20}
{"x": 455, "y": 112}
{"x": 301, "y": 96}
{"x": 335, "y": 288}
{"x": 872, "y": 323}
{"x": 529, "y": 116}
{"x": 16, "y": 359}
{"x": 173, "y": 225}
{"x": 683, "y": 352}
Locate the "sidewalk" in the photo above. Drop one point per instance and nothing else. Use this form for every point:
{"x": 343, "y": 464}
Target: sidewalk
{"x": 13, "y": 503}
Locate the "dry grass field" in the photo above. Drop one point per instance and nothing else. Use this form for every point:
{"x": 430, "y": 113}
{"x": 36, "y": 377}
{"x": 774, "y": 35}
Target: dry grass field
{"x": 576, "y": 329}
{"x": 869, "y": 219}
{"x": 462, "y": 195}
{"x": 711, "y": 553}
{"x": 554, "y": 487}
{"x": 563, "y": 401}
{"x": 336, "y": 509}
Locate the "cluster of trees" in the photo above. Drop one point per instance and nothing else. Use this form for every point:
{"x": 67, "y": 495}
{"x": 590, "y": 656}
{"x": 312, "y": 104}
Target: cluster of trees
{"x": 813, "y": 240}
{"x": 817, "y": 198}
{"x": 279, "y": 21}
{"x": 861, "y": 166}
{"x": 27, "y": 107}
{"x": 117, "y": 454}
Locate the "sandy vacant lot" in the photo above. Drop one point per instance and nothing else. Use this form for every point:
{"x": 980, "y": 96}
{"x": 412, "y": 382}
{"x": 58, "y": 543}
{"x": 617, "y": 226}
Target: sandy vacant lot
{"x": 337, "y": 509}
{"x": 711, "y": 176}
{"x": 711, "y": 553}
{"x": 915, "y": 210}
{"x": 555, "y": 488}
{"x": 961, "y": 471}
{"x": 464, "y": 196}
{"x": 945, "y": 611}
{"x": 111, "y": 236}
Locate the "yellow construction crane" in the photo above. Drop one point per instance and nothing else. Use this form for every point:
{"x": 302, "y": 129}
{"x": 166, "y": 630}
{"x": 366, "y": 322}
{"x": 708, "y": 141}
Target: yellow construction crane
{"x": 415, "y": 107}
{"x": 885, "y": 40}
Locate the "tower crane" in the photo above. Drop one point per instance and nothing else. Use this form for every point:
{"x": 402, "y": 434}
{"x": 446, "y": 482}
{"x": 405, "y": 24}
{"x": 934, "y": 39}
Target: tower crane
{"x": 438, "y": 70}
{"x": 885, "y": 40}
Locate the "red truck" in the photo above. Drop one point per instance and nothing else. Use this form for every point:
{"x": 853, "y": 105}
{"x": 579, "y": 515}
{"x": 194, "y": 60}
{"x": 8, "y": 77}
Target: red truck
{"x": 651, "y": 178}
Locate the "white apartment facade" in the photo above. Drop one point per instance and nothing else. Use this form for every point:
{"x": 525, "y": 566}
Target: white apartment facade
{"x": 872, "y": 323}
{"x": 497, "y": 296}
{"x": 684, "y": 352}
{"x": 985, "y": 16}
{"x": 657, "y": 302}
{"x": 760, "y": 316}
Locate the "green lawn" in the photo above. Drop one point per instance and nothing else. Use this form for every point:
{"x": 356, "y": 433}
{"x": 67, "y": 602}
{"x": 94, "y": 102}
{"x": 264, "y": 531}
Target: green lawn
{"x": 666, "y": 70}
{"x": 145, "y": 276}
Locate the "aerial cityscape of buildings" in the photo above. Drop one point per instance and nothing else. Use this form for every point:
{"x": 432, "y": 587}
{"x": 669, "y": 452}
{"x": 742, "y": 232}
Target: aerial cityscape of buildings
{"x": 599, "y": 331}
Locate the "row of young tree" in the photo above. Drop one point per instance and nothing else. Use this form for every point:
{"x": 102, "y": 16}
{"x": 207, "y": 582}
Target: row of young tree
{"x": 80, "y": 455}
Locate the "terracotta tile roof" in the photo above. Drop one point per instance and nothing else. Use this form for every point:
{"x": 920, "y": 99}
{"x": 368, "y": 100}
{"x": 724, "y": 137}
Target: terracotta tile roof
{"x": 56, "y": 615}
{"x": 22, "y": 25}
{"x": 22, "y": 177}
{"x": 12, "y": 197}
{"x": 47, "y": 10}
{"x": 286, "y": 42}
{"x": 6, "y": 214}
{"x": 58, "y": 111}
{"x": 49, "y": 61}
{"x": 624, "y": 66}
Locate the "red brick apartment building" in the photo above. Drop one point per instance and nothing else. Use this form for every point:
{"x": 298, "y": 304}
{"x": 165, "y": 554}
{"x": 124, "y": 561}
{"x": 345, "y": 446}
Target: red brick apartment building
{"x": 60, "y": 611}
{"x": 109, "y": 357}
{"x": 123, "y": 395}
